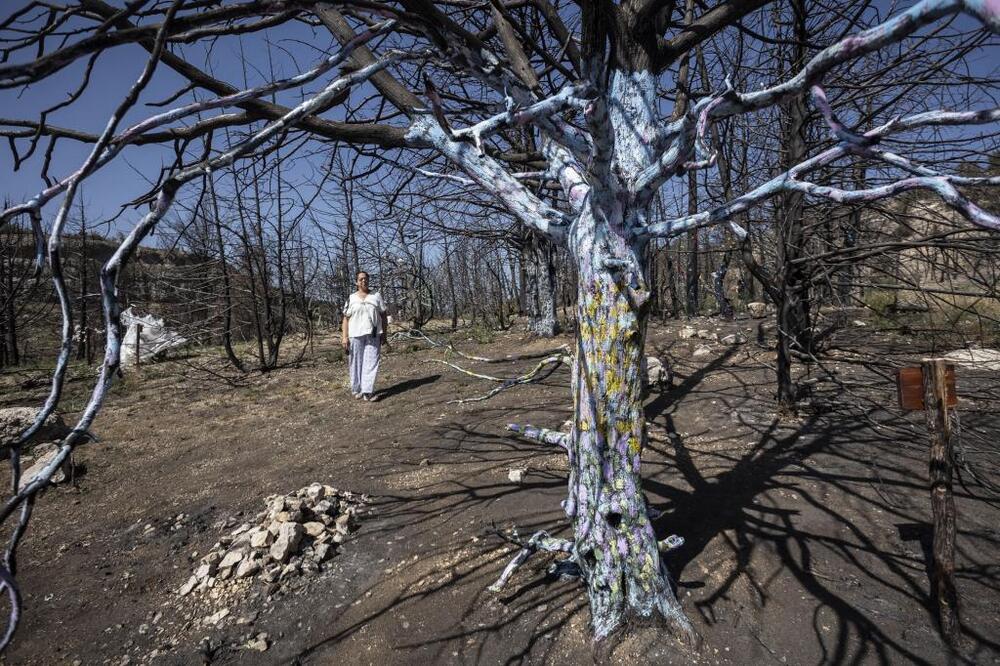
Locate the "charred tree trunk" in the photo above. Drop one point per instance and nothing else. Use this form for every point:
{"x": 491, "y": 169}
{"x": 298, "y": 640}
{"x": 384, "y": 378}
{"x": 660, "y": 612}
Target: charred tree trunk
{"x": 793, "y": 316}
{"x": 227, "y": 296}
{"x": 540, "y": 284}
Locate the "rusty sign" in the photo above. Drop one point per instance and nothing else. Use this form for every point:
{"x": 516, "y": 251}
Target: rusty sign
{"x": 910, "y": 387}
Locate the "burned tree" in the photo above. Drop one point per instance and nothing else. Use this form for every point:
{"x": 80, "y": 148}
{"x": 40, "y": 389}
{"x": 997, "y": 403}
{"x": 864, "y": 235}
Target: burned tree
{"x": 592, "y": 103}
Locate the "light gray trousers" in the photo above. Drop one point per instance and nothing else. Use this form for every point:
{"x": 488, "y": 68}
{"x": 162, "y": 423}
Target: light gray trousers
{"x": 363, "y": 362}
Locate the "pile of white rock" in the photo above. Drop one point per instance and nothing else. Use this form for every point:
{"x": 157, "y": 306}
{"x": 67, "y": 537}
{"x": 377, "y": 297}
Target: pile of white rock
{"x": 295, "y": 535}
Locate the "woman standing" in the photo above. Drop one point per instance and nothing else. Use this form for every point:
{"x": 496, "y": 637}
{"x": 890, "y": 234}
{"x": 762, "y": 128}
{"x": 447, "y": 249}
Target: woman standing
{"x": 362, "y": 335}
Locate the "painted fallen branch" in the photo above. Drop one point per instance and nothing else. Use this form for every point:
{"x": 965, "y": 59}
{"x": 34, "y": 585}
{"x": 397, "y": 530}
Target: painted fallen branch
{"x": 540, "y": 372}
{"x": 539, "y": 541}
{"x": 542, "y": 435}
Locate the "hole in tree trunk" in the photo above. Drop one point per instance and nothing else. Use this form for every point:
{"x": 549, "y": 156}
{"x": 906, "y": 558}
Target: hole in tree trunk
{"x": 614, "y": 519}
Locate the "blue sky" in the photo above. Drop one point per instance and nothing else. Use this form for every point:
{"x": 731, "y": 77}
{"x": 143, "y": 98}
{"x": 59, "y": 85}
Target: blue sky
{"x": 129, "y": 176}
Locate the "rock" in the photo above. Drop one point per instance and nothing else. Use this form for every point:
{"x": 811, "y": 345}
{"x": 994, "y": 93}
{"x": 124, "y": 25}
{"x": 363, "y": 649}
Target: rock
{"x": 248, "y": 567}
{"x": 702, "y": 352}
{"x": 515, "y": 475}
{"x": 275, "y": 527}
{"x": 656, "y": 373}
{"x": 316, "y": 492}
{"x": 290, "y": 569}
{"x": 706, "y": 334}
{"x": 289, "y": 537}
{"x": 757, "y": 309}
{"x": 321, "y": 552}
{"x": 258, "y": 643}
{"x": 687, "y": 333}
{"x": 212, "y": 558}
{"x": 205, "y": 571}
{"x": 261, "y": 538}
{"x": 859, "y": 323}
{"x": 232, "y": 558}
{"x": 288, "y": 516}
{"x": 277, "y": 506}
{"x": 45, "y": 454}
{"x": 216, "y": 618}
{"x": 314, "y": 529}
{"x": 14, "y": 420}
{"x": 338, "y": 537}
{"x": 567, "y": 426}
{"x": 323, "y": 506}
{"x": 245, "y": 527}
{"x": 734, "y": 339}
{"x": 188, "y": 586}
{"x": 344, "y": 523}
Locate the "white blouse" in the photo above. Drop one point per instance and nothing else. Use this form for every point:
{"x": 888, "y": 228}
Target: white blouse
{"x": 365, "y": 314}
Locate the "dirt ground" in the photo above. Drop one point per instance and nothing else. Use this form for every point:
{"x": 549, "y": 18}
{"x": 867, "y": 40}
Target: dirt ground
{"x": 807, "y": 537}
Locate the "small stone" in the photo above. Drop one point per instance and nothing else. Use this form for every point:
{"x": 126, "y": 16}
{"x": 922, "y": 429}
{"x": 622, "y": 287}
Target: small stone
{"x": 188, "y": 586}
{"x": 277, "y": 506}
{"x": 212, "y": 558}
{"x": 321, "y": 552}
{"x": 859, "y": 323}
{"x": 706, "y": 334}
{"x": 290, "y": 569}
{"x": 224, "y": 573}
{"x": 247, "y": 619}
{"x": 516, "y": 475}
{"x": 757, "y": 309}
{"x": 316, "y": 492}
{"x": 687, "y": 333}
{"x": 733, "y": 339}
{"x": 702, "y": 352}
{"x": 45, "y": 454}
{"x": 216, "y": 618}
{"x": 343, "y": 523}
{"x": 247, "y": 568}
{"x": 314, "y": 529}
{"x": 204, "y": 571}
{"x": 245, "y": 527}
{"x": 289, "y": 516}
{"x": 288, "y": 540}
{"x": 261, "y": 538}
{"x": 232, "y": 558}
{"x": 258, "y": 643}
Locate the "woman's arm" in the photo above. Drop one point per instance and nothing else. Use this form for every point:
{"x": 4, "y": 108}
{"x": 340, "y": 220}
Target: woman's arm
{"x": 344, "y": 342}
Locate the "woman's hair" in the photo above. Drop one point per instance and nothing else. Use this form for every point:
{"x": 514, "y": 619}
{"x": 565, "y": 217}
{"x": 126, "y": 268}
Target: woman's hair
{"x": 366, "y": 274}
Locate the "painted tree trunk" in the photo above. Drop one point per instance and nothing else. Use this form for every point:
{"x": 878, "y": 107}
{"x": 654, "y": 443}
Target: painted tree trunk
{"x": 615, "y": 545}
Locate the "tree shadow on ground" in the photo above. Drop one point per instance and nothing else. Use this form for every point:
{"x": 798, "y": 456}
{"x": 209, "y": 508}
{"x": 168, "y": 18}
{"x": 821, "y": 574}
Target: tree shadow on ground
{"x": 737, "y": 500}
{"x": 774, "y": 512}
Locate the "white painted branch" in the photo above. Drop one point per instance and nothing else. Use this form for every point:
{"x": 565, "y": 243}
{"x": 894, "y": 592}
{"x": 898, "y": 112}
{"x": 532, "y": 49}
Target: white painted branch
{"x": 489, "y": 174}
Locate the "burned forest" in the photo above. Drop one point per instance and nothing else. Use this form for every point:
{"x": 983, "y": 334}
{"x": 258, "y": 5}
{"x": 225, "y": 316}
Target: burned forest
{"x": 691, "y": 338}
